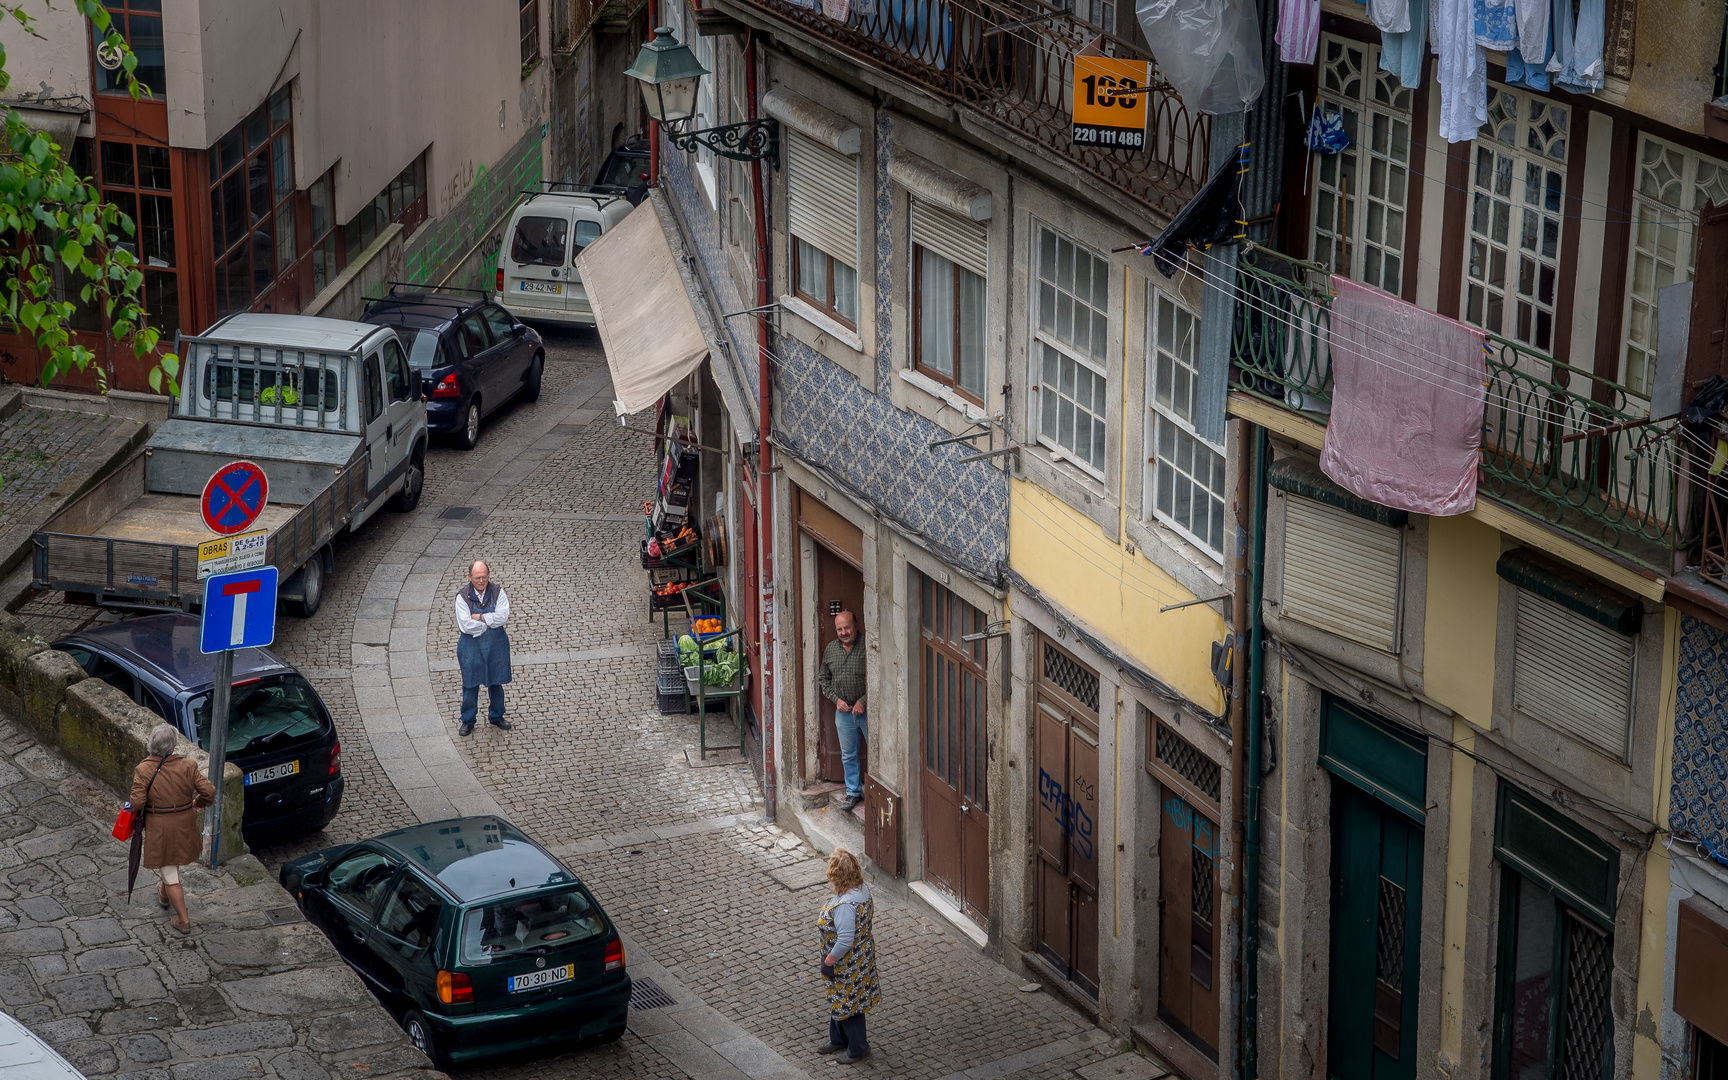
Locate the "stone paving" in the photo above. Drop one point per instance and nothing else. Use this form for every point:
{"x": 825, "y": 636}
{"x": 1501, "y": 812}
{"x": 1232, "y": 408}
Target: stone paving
{"x": 719, "y": 904}
{"x": 107, "y": 984}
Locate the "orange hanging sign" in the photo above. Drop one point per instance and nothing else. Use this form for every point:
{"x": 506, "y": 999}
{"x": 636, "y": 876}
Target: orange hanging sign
{"x": 1110, "y": 102}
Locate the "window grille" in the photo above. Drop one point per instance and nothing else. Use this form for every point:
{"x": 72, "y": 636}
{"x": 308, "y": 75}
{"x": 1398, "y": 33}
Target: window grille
{"x": 1187, "y": 762}
{"x": 1070, "y": 676}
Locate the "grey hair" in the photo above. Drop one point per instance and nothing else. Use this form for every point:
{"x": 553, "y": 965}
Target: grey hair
{"x": 162, "y": 739}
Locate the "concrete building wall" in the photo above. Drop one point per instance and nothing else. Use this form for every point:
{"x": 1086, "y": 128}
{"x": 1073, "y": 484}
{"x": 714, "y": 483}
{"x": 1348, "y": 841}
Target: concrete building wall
{"x": 56, "y": 54}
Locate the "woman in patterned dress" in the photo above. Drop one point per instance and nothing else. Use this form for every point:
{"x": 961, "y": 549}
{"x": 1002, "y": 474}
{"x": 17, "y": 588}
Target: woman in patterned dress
{"x": 848, "y": 958}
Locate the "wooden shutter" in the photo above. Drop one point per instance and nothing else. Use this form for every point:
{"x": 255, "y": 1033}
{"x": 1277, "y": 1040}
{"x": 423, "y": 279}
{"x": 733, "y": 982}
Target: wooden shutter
{"x": 1341, "y": 572}
{"x": 822, "y": 198}
{"x": 1706, "y": 344}
{"x": 961, "y": 241}
{"x": 1573, "y": 674}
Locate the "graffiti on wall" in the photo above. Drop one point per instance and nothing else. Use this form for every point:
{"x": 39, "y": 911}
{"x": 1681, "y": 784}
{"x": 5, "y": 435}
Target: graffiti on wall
{"x": 463, "y": 244}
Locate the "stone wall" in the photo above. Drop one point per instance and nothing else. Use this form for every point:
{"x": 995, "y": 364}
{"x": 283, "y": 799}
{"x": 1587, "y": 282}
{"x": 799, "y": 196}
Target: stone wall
{"x": 460, "y": 249}
{"x": 93, "y": 725}
{"x": 369, "y": 275}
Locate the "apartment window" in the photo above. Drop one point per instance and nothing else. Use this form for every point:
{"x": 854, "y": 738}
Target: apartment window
{"x": 822, "y": 217}
{"x": 327, "y": 252}
{"x": 707, "y": 112}
{"x": 1360, "y": 194}
{"x": 1071, "y": 334}
{"x": 739, "y": 193}
{"x": 528, "y": 22}
{"x": 1671, "y": 185}
{"x": 140, "y": 23}
{"x": 1517, "y": 186}
{"x": 135, "y": 178}
{"x": 403, "y": 199}
{"x": 950, "y": 258}
{"x": 1184, "y": 485}
{"x": 1574, "y": 674}
{"x": 252, "y": 204}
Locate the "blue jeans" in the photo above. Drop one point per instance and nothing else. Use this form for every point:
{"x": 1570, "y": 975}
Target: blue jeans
{"x": 850, "y": 726}
{"x": 471, "y": 703}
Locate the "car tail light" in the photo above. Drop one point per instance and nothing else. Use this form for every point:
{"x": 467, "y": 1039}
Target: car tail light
{"x": 335, "y": 758}
{"x": 447, "y": 388}
{"x": 500, "y": 280}
{"x": 614, "y": 955}
{"x": 454, "y": 988}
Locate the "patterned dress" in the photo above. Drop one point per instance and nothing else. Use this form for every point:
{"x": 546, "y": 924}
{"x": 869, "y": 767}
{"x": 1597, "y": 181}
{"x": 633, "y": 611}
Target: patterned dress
{"x": 854, "y": 988}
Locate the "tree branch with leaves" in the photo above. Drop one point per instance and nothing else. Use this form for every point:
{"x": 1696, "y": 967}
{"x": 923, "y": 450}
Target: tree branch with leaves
{"x": 58, "y": 238}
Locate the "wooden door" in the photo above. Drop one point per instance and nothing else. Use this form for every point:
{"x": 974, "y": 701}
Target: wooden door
{"x": 1376, "y": 915}
{"x": 956, "y": 802}
{"x": 839, "y": 587}
{"x": 1065, "y": 734}
{"x": 1188, "y": 924}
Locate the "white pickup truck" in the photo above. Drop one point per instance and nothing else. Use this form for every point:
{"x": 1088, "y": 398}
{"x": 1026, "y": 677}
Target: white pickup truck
{"x": 330, "y": 410}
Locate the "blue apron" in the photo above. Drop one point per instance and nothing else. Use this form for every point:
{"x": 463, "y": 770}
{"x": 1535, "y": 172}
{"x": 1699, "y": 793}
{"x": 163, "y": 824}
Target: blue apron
{"x": 484, "y": 660}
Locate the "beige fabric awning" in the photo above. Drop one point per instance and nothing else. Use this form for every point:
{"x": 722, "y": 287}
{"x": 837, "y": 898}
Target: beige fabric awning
{"x": 641, "y": 308}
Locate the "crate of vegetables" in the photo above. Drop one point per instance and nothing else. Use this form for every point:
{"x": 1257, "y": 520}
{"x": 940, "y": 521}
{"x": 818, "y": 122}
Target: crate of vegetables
{"x": 667, "y": 595}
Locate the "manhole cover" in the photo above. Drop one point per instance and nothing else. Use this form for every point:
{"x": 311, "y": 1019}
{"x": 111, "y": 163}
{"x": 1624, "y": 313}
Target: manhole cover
{"x": 282, "y": 916}
{"x": 456, "y": 513}
{"x": 645, "y": 993}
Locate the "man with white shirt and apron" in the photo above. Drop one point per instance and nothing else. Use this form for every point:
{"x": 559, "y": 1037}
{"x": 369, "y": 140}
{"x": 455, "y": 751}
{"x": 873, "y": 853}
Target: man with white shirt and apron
{"x": 483, "y": 649}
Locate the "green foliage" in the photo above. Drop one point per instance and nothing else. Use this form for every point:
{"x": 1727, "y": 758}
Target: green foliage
{"x": 57, "y": 238}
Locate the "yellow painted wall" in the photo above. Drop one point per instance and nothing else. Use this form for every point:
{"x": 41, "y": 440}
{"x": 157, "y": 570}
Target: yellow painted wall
{"x": 1066, "y": 557}
{"x": 1675, "y": 46}
{"x": 1653, "y": 932}
{"x": 1463, "y": 593}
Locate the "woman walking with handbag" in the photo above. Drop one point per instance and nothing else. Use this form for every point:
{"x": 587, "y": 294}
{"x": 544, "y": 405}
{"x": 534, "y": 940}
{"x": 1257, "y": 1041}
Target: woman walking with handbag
{"x": 168, "y": 791}
{"x": 848, "y": 958}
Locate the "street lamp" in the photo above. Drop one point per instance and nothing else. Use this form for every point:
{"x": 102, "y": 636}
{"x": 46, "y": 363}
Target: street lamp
{"x": 669, "y": 72}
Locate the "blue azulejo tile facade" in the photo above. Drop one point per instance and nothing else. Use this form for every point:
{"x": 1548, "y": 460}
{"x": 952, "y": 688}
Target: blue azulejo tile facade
{"x": 826, "y": 418}
{"x": 1698, "y": 805}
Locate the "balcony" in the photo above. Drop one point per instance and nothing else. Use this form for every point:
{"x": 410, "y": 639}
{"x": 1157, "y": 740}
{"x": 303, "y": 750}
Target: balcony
{"x": 1012, "y": 61}
{"x": 1622, "y": 490}
{"x": 573, "y": 20}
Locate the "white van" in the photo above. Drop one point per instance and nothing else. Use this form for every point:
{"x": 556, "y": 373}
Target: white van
{"x": 537, "y": 278}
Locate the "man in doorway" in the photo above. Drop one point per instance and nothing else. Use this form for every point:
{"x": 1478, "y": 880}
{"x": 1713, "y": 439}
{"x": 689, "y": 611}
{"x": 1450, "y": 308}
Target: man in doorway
{"x": 483, "y": 649}
{"x": 841, "y": 679}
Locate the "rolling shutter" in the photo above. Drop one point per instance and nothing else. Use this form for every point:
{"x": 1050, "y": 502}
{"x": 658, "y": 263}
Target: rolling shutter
{"x": 1573, "y": 674}
{"x": 961, "y": 241}
{"x": 822, "y": 198}
{"x": 1341, "y": 573}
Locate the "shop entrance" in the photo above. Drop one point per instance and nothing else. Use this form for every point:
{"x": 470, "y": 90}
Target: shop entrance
{"x": 1189, "y": 904}
{"x": 1065, "y": 732}
{"x": 839, "y": 587}
{"x": 956, "y": 804}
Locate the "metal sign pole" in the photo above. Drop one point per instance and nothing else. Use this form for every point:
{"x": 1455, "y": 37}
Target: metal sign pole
{"x": 219, "y": 743}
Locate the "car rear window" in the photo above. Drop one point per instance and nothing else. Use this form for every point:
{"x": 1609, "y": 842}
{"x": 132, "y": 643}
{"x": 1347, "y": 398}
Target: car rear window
{"x": 586, "y": 233}
{"x": 500, "y": 930}
{"x": 624, "y": 169}
{"x": 539, "y": 241}
{"x": 274, "y": 713}
{"x": 427, "y": 351}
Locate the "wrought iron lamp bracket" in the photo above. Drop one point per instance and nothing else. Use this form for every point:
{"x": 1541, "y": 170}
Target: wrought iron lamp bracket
{"x": 752, "y": 140}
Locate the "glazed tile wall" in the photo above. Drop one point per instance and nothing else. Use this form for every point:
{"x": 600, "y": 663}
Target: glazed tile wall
{"x": 824, "y": 416}
{"x": 1699, "y": 800}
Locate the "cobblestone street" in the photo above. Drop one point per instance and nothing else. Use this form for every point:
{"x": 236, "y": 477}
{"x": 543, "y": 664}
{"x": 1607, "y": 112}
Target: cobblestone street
{"x": 718, "y": 906}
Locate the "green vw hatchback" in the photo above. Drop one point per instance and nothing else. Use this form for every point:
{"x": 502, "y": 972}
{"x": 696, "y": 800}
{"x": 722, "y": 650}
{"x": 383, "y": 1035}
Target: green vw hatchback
{"x": 476, "y": 937}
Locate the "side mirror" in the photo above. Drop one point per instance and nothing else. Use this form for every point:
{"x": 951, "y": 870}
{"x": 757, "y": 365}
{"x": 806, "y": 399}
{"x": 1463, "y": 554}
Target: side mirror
{"x": 416, "y": 384}
{"x": 518, "y": 329}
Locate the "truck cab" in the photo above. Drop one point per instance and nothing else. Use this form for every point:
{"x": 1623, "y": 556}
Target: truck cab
{"x": 537, "y": 278}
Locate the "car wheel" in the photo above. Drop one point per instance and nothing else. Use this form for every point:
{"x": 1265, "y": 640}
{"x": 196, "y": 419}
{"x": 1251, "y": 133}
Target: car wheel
{"x": 536, "y": 369}
{"x": 414, "y": 483}
{"x": 469, "y": 436}
{"x": 311, "y": 587}
{"x": 419, "y": 1032}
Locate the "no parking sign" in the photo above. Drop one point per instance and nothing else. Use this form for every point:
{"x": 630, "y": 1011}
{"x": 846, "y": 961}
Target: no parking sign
{"x": 234, "y": 497}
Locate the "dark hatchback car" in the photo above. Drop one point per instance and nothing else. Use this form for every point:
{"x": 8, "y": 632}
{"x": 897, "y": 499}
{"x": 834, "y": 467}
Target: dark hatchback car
{"x": 472, "y": 355}
{"x": 279, "y": 732}
{"x": 625, "y": 170}
{"x": 478, "y": 939}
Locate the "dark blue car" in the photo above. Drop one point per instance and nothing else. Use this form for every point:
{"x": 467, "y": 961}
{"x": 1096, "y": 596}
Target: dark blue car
{"x": 478, "y": 939}
{"x": 472, "y": 355}
{"x": 279, "y": 732}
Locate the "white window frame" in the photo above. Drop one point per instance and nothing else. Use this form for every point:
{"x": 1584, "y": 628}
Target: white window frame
{"x": 978, "y": 265}
{"x": 1164, "y": 409}
{"x": 1670, "y": 184}
{"x": 793, "y": 263}
{"x": 1527, "y": 136}
{"x": 707, "y": 112}
{"x": 1377, "y": 113}
{"x": 1049, "y": 342}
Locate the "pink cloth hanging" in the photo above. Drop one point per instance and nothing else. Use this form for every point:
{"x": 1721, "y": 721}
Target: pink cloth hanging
{"x": 1298, "y": 33}
{"x": 1407, "y": 397}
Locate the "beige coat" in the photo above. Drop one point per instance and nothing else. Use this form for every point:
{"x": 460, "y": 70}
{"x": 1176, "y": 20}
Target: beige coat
{"x": 171, "y": 833}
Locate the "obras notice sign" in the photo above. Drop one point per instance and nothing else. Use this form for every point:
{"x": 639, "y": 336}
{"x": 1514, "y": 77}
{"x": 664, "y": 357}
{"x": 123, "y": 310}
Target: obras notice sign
{"x": 1110, "y": 102}
{"x": 231, "y": 553}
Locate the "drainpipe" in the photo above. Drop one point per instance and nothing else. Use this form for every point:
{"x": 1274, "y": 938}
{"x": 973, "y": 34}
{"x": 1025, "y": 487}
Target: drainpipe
{"x": 765, "y": 471}
{"x": 1256, "y": 717}
{"x": 1239, "y": 738}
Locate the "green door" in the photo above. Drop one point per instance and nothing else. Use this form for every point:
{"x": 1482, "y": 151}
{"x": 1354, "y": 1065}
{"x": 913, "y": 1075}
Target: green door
{"x": 1376, "y": 910}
